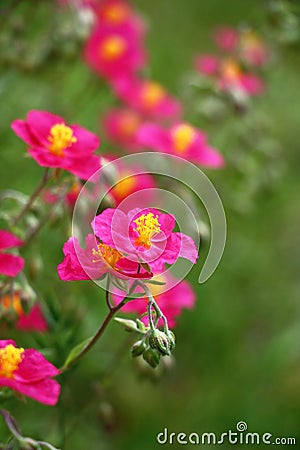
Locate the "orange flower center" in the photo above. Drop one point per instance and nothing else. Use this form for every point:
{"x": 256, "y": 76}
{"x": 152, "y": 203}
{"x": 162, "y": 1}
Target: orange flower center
{"x": 147, "y": 225}
{"x": 152, "y": 94}
{"x": 61, "y": 137}
{"x": 112, "y": 48}
{"x": 129, "y": 123}
{"x": 10, "y": 358}
{"x": 125, "y": 186}
{"x": 183, "y": 136}
{"x": 231, "y": 71}
{"x": 12, "y": 301}
{"x": 108, "y": 254}
{"x": 116, "y": 13}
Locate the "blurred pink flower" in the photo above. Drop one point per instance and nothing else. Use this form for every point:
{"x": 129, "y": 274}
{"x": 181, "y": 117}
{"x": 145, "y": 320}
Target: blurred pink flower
{"x": 129, "y": 181}
{"x": 147, "y": 97}
{"x": 253, "y": 51}
{"x": 69, "y": 197}
{"x": 144, "y": 235}
{"x": 95, "y": 261}
{"x": 181, "y": 140}
{"x": 114, "y": 53}
{"x": 10, "y": 265}
{"x": 28, "y": 372}
{"x": 121, "y": 126}
{"x": 233, "y": 79}
{"x": 119, "y": 13}
{"x": 207, "y": 64}
{"x": 33, "y": 321}
{"x": 227, "y": 38}
{"x": 170, "y": 300}
{"x": 52, "y": 143}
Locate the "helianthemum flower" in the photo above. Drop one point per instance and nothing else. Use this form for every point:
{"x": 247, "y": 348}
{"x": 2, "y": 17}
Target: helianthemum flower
{"x": 95, "y": 261}
{"x": 181, "y": 140}
{"x": 121, "y": 126}
{"x": 10, "y": 264}
{"x": 145, "y": 236}
{"x": 28, "y": 372}
{"x": 53, "y": 143}
{"x": 170, "y": 300}
{"x": 148, "y": 97}
{"x": 113, "y": 53}
{"x": 32, "y": 321}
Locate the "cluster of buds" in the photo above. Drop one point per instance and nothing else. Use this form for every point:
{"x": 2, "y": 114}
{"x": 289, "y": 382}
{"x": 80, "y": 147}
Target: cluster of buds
{"x": 153, "y": 344}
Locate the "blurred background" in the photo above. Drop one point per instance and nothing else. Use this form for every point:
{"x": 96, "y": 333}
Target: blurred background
{"x": 237, "y": 355}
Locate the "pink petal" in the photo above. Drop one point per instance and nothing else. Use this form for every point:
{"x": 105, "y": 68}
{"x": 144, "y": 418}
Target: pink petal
{"x": 34, "y": 367}
{"x": 10, "y": 265}
{"x": 21, "y": 129}
{"x": 44, "y": 391}
{"x": 40, "y": 123}
{"x": 8, "y": 240}
{"x": 33, "y": 321}
{"x": 188, "y": 248}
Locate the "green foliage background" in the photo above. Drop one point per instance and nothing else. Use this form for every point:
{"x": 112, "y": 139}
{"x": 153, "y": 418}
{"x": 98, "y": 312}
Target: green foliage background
{"x": 237, "y": 354}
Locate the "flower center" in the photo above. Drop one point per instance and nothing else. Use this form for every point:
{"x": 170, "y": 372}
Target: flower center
{"x": 124, "y": 187}
{"x": 12, "y": 301}
{"x": 112, "y": 48}
{"x": 231, "y": 71}
{"x": 110, "y": 255}
{"x": 10, "y": 358}
{"x": 129, "y": 123}
{"x": 60, "y": 138}
{"x": 183, "y": 136}
{"x": 116, "y": 14}
{"x": 147, "y": 225}
{"x": 152, "y": 94}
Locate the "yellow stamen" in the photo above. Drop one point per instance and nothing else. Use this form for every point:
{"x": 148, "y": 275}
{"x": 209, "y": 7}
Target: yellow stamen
{"x": 61, "y": 137}
{"x": 183, "y": 136}
{"x": 116, "y": 14}
{"x": 112, "y": 47}
{"x": 147, "y": 225}
{"x": 152, "y": 94}
{"x": 125, "y": 186}
{"x": 10, "y": 358}
{"x": 107, "y": 254}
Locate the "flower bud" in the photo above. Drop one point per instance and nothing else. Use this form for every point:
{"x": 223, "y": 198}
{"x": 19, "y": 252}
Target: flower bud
{"x": 138, "y": 348}
{"x": 128, "y": 324}
{"x": 152, "y": 357}
{"x": 161, "y": 341}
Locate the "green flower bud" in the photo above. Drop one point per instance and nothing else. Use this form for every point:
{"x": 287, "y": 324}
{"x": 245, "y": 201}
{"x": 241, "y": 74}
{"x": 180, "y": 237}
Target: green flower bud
{"x": 152, "y": 357}
{"x": 138, "y": 348}
{"x": 161, "y": 341}
{"x": 128, "y": 324}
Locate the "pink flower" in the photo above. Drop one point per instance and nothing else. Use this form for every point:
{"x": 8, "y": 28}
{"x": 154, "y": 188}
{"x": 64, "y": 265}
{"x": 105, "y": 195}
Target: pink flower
{"x": 207, "y": 64}
{"x": 95, "y": 261}
{"x": 252, "y": 49}
{"x": 121, "y": 126}
{"x": 33, "y": 321}
{"x": 181, "y": 140}
{"x": 227, "y": 38}
{"x": 148, "y": 97}
{"x": 171, "y": 300}
{"x": 118, "y": 13}
{"x": 129, "y": 181}
{"x": 233, "y": 79}
{"x": 10, "y": 265}
{"x": 113, "y": 53}
{"x": 144, "y": 235}
{"x": 52, "y": 143}
{"x": 28, "y": 372}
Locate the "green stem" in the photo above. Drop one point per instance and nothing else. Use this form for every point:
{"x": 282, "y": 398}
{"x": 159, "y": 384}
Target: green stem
{"x": 32, "y": 198}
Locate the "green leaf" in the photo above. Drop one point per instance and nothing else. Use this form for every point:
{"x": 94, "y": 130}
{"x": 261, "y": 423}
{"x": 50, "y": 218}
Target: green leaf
{"x": 76, "y": 351}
